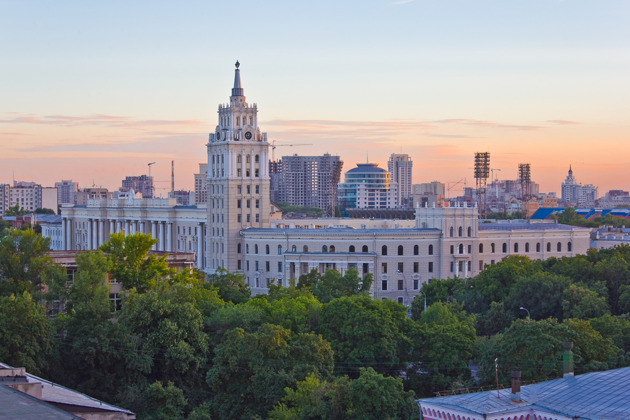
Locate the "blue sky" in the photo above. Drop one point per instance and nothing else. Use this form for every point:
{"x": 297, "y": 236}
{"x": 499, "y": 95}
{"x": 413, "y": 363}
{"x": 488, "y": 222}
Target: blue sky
{"x": 93, "y": 91}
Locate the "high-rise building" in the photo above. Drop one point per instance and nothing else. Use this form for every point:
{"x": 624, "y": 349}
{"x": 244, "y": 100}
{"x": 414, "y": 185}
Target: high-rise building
{"x": 367, "y": 187}
{"x": 30, "y": 196}
{"x": 66, "y": 192}
{"x": 238, "y": 179}
{"x": 574, "y": 193}
{"x": 570, "y": 187}
{"x": 310, "y": 181}
{"x": 400, "y": 169}
{"x": 142, "y": 184}
{"x": 201, "y": 189}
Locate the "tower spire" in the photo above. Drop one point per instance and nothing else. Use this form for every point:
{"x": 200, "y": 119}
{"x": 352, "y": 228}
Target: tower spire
{"x": 237, "y": 90}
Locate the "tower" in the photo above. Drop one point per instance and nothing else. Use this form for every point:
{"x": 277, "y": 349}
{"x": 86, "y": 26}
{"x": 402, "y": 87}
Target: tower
{"x": 400, "y": 168}
{"x": 238, "y": 180}
{"x": 482, "y": 172}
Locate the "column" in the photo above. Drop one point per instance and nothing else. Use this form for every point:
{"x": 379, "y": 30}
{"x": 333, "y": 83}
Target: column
{"x": 89, "y": 234}
{"x": 112, "y": 226}
{"x": 64, "y": 235}
{"x": 199, "y": 246}
{"x": 154, "y": 233}
{"x": 118, "y": 226}
{"x": 169, "y": 227}
{"x": 465, "y": 269}
{"x": 456, "y": 270}
{"x": 160, "y": 244}
{"x": 101, "y": 232}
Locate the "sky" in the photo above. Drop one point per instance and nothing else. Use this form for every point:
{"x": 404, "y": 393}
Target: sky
{"x": 94, "y": 91}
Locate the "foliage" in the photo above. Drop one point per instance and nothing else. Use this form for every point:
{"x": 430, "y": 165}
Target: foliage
{"x": 15, "y": 211}
{"x": 231, "y": 286}
{"x": 540, "y": 293}
{"x": 157, "y": 402}
{"x": 582, "y": 303}
{"x": 24, "y": 264}
{"x": 370, "y": 396}
{"x": 251, "y": 369}
{"x": 363, "y": 331}
{"x": 44, "y": 211}
{"x": 289, "y": 208}
{"x": 333, "y": 285}
{"x": 26, "y": 336}
{"x": 131, "y": 264}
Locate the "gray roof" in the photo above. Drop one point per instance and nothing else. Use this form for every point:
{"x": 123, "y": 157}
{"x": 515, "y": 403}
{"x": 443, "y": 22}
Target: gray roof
{"x": 596, "y": 395}
{"x": 366, "y": 168}
{"x": 527, "y": 226}
{"x": 17, "y": 405}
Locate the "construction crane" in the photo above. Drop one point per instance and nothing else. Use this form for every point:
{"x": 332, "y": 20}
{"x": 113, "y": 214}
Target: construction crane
{"x": 451, "y": 185}
{"x": 273, "y": 148}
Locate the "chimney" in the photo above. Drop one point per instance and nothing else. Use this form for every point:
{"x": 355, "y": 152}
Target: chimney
{"x": 567, "y": 359}
{"x": 516, "y": 386}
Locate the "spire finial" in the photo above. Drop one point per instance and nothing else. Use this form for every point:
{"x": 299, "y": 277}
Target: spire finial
{"x": 237, "y": 64}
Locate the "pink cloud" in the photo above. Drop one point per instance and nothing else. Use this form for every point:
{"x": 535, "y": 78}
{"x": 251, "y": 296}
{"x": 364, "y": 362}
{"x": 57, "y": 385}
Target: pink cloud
{"x": 563, "y": 122}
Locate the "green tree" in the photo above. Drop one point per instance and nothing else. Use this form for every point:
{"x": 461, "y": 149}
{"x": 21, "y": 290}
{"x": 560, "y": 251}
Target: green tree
{"x": 26, "y": 335}
{"x": 251, "y": 370}
{"x": 582, "y": 303}
{"x": 132, "y": 266}
{"x": 24, "y": 265}
{"x": 15, "y": 211}
{"x": 540, "y": 293}
{"x": 495, "y": 320}
{"x": 44, "y": 211}
{"x": 157, "y": 402}
{"x": 366, "y": 332}
{"x": 333, "y": 285}
{"x": 231, "y": 286}
{"x": 614, "y": 273}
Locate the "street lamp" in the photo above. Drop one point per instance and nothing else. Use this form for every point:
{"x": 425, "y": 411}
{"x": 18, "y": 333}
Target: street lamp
{"x": 528, "y": 316}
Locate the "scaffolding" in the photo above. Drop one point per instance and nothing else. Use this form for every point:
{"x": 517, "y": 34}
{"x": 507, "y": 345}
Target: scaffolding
{"x": 482, "y": 172}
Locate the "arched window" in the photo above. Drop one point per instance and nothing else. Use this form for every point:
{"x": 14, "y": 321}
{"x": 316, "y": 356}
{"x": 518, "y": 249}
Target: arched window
{"x": 504, "y": 247}
{"x": 351, "y": 249}
{"x": 364, "y": 249}
{"x": 460, "y": 231}
{"x": 238, "y": 248}
{"x": 324, "y": 248}
{"x": 469, "y": 231}
{"x": 526, "y": 246}
{"x": 267, "y": 249}
{"x": 279, "y": 249}
{"x": 294, "y": 248}
{"x": 515, "y": 247}
{"x": 559, "y": 247}
{"x": 331, "y": 248}
{"x": 461, "y": 248}
{"x": 238, "y": 158}
{"x": 548, "y": 246}
{"x": 247, "y": 158}
{"x": 256, "y": 158}
{"x": 416, "y": 250}
{"x": 569, "y": 246}
{"x": 451, "y": 231}
{"x": 305, "y": 248}
{"x": 481, "y": 248}
{"x": 430, "y": 249}
{"x": 492, "y": 248}
{"x": 538, "y": 247}
{"x": 384, "y": 250}
{"x": 400, "y": 250}
{"x": 256, "y": 249}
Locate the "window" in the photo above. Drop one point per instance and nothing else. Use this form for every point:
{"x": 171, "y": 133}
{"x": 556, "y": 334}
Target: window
{"x": 249, "y": 204}
{"x": 256, "y": 158}
{"x": 247, "y": 248}
{"x": 481, "y": 248}
{"x": 257, "y": 189}
{"x": 460, "y": 231}
{"x": 239, "y": 218}
{"x": 416, "y": 267}
{"x": 451, "y": 231}
{"x": 400, "y": 250}
{"x": 238, "y": 264}
{"x": 256, "y": 249}
{"x": 257, "y": 204}
{"x": 351, "y": 249}
{"x": 470, "y": 249}
{"x": 257, "y": 265}
{"x": 480, "y": 265}
{"x": 416, "y": 284}
{"x": 384, "y": 250}
{"x": 267, "y": 249}
{"x": 238, "y": 248}
{"x": 280, "y": 266}
{"x": 401, "y": 267}
{"x": 430, "y": 267}
{"x": 452, "y": 249}
{"x": 569, "y": 246}
{"x": 238, "y": 204}
{"x": 324, "y": 248}
{"x": 559, "y": 247}
{"x": 364, "y": 249}
{"x": 416, "y": 250}
{"x": 492, "y": 248}
{"x": 526, "y": 246}
{"x": 383, "y": 267}
{"x": 515, "y": 246}
{"x": 305, "y": 248}
{"x": 249, "y": 189}
{"x": 331, "y": 248}
{"x": 383, "y": 284}
{"x": 451, "y": 266}
{"x": 249, "y": 218}
{"x": 430, "y": 249}
{"x": 257, "y": 217}
{"x": 504, "y": 247}
{"x": 548, "y": 246}
{"x": 279, "y": 249}
{"x": 469, "y": 231}
{"x": 538, "y": 247}
{"x": 267, "y": 266}
{"x": 460, "y": 248}
{"x": 401, "y": 285}
{"x": 247, "y": 159}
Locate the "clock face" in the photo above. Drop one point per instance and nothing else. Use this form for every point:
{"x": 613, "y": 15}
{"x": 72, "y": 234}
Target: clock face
{"x": 248, "y": 135}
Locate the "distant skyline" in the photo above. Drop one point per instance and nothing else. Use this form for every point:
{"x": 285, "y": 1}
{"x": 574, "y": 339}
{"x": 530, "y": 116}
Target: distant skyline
{"x": 94, "y": 91}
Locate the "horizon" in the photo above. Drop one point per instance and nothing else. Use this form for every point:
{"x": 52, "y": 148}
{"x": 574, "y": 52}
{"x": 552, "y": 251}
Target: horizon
{"x": 95, "y": 92}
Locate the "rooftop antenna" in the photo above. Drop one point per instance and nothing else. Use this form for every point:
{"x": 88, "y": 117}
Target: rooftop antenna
{"x": 367, "y": 159}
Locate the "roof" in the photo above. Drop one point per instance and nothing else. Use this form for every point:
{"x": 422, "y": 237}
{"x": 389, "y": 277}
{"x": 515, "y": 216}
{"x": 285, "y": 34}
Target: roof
{"x": 528, "y": 226}
{"x": 366, "y": 168}
{"x": 17, "y": 405}
{"x": 596, "y": 395}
